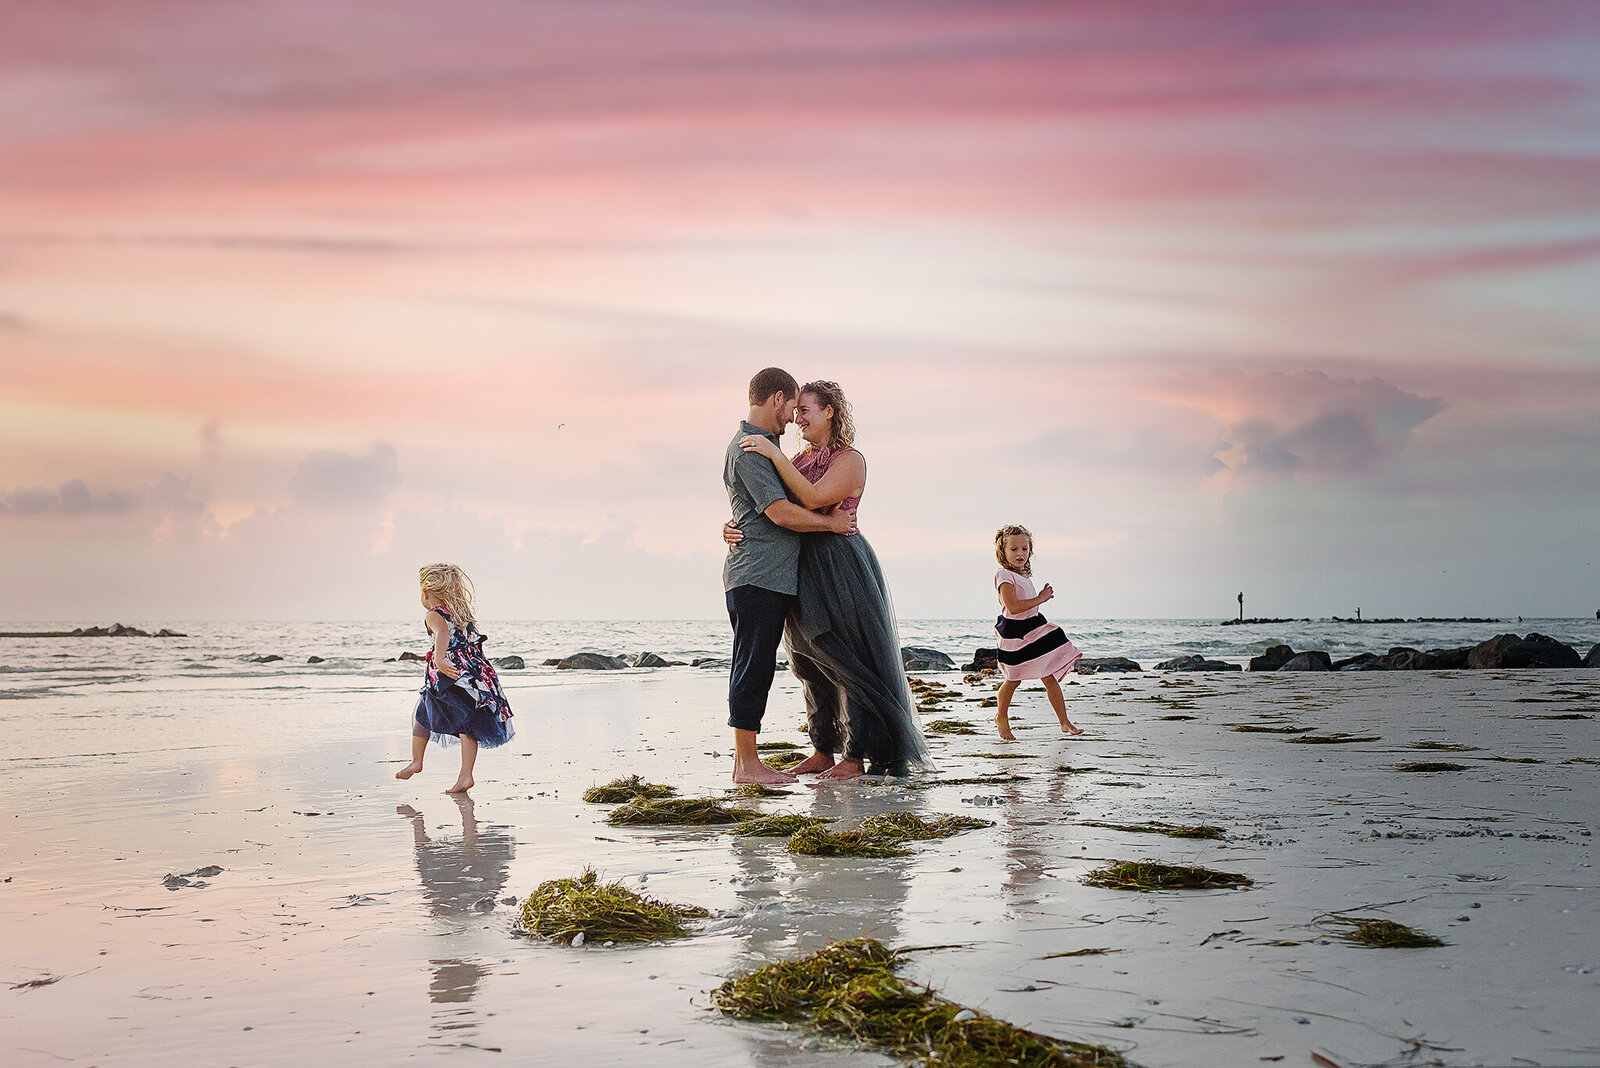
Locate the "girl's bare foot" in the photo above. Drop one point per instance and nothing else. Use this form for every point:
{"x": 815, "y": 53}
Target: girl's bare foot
{"x": 409, "y": 770}
{"x": 817, "y": 761}
{"x": 1069, "y": 729}
{"x": 1002, "y": 723}
{"x": 844, "y": 769}
{"x": 462, "y": 785}
{"x": 761, "y": 773}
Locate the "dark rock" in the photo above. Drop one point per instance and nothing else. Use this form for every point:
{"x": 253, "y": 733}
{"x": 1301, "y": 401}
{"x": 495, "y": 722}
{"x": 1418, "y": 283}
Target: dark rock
{"x": 1444, "y": 659}
{"x": 1196, "y": 663}
{"x": 409, "y": 655}
{"x": 591, "y": 662}
{"x": 1272, "y": 659}
{"x": 315, "y": 660}
{"x": 552, "y": 662}
{"x": 1510, "y": 651}
{"x": 1358, "y": 662}
{"x": 165, "y": 633}
{"x": 983, "y": 659}
{"x": 655, "y": 660}
{"x": 509, "y": 663}
{"x": 269, "y": 658}
{"x": 920, "y": 658}
{"x": 91, "y": 632}
{"x": 1365, "y": 665}
{"x": 710, "y": 662}
{"x": 1401, "y": 658}
{"x": 1106, "y": 665}
{"x": 119, "y": 631}
{"x": 1311, "y": 660}
{"x": 1593, "y": 659}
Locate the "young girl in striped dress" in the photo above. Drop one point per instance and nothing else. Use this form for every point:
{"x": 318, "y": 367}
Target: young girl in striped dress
{"x": 1031, "y": 647}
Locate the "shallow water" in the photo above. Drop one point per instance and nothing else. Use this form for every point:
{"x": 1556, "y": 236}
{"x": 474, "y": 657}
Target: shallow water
{"x": 357, "y": 913}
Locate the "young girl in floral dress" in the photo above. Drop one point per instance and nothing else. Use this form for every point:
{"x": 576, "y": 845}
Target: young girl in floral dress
{"x": 461, "y": 697}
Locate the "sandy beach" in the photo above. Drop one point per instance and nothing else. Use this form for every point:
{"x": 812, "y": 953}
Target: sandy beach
{"x": 371, "y": 919}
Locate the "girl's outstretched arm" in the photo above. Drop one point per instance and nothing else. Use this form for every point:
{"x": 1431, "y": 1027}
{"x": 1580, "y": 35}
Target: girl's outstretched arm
{"x": 846, "y": 478}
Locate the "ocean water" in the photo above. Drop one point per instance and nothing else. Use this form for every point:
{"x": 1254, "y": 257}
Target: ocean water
{"x": 32, "y": 666}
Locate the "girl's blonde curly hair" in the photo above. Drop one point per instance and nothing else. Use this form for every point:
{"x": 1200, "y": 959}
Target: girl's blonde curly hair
{"x": 452, "y": 586}
{"x": 1011, "y": 530}
{"x": 842, "y": 434}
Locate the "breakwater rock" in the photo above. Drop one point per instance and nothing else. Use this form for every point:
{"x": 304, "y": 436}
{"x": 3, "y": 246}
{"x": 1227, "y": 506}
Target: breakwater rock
{"x": 116, "y": 630}
{"x": 919, "y": 658}
{"x": 1501, "y": 651}
{"x": 1196, "y": 663}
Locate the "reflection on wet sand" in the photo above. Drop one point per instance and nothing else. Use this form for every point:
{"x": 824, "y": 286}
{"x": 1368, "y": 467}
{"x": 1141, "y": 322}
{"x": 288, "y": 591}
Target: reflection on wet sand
{"x": 460, "y": 877}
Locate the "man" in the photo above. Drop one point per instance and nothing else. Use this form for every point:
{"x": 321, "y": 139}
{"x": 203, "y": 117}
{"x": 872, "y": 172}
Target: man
{"x": 760, "y": 575}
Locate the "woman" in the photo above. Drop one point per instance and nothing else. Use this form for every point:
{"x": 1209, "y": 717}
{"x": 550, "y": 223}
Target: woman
{"x": 841, "y": 638}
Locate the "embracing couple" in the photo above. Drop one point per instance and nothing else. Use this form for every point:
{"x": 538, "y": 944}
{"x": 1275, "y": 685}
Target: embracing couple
{"x": 798, "y": 570}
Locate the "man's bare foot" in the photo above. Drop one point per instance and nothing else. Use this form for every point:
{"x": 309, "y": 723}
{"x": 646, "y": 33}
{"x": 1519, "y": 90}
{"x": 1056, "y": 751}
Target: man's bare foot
{"x": 817, "y": 761}
{"x": 462, "y": 785}
{"x": 1068, "y": 729}
{"x": 844, "y": 769}
{"x": 761, "y": 773}
{"x": 1002, "y": 723}
{"x": 409, "y": 770}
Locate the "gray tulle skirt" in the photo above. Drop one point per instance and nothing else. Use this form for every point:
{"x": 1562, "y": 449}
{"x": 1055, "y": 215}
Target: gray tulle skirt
{"x": 845, "y": 648}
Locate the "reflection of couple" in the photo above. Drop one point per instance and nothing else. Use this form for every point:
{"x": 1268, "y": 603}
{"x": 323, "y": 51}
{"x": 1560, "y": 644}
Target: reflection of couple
{"x": 800, "y": 571}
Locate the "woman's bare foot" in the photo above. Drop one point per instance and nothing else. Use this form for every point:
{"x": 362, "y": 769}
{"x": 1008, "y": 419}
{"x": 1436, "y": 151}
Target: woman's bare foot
{"x": 409, "y": 770}
{"x": 1002, "y": 723}
{"x": 844, "y": 769}
{"x": 761, "y": 773}
{"x": 462, "y": 785}
{"x": 817, "y": 761}
{"x": 1069, "y": 730}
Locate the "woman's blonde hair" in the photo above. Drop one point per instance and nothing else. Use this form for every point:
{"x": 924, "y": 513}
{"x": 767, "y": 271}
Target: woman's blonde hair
{"x": 452, "y": 586}
{"x": 829, "y": 395}
{"x": 1012, "y": 530}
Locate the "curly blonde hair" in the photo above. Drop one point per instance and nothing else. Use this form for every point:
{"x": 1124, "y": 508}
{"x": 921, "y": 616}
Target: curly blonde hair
{"x": 1012, "y": 530}
{"x": 829, "y": 395}
{"x": 452, "y": 586}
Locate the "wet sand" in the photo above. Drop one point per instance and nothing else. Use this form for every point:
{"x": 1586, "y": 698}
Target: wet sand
{"x": 361, "y": 917}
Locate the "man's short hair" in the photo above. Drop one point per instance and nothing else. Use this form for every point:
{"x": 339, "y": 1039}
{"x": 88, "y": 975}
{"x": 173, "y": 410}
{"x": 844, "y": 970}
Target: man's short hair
{"x": 772, "y": 380}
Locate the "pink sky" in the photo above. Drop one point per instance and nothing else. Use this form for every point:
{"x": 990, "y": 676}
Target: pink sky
{"x": 1295, "y": 299}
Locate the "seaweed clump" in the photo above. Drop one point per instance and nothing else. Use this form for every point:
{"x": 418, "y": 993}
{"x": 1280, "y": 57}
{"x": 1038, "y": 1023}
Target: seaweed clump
{"x": 571, "y": 911}
{"x": 777, "y": 826}
{"x": 1337, "y": 738}
{"x": 756, "y": 789}
{"x": 1261, "y": 728}
{"x": 882, "y": 835}
{"x": 678, "y": 811}
{"x": 788, "y": 758}
{"x": 1381, "y": 934}
{"x": 618, "y": 791}
{"x": 1198, "y": 830}
{"x": 1445, "y": 747}
{"x": 1430, "y": 765}
{"x": 949, "y": 726}
{"x": 850, "y": 990}
{"x": 1143, "y": 875}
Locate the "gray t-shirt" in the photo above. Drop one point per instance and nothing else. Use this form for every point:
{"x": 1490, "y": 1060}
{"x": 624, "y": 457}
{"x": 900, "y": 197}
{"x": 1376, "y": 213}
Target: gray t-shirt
{"x": 769, "y": 556}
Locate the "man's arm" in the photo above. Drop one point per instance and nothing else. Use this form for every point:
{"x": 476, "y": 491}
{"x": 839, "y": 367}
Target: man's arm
{"x": 791, "y": 516}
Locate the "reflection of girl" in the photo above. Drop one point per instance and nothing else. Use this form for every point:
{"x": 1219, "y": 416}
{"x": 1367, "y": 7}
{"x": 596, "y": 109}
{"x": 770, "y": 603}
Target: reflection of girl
{"x": 841, "y": 638}
{"x": 458, "y": 875}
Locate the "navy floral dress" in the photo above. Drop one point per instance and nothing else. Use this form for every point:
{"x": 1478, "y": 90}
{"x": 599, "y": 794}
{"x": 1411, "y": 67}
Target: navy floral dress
{"x": 472, "y": 704}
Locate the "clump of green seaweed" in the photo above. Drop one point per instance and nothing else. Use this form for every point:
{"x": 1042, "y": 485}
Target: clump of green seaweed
{"x": 765, "y": 747}
{"x": 1143, "y": 875}
{"x": 786, "y": 759}
{"x": 1198, "y": 830}
{"x": 882, "y": 835}
{"x": 678, "y": 811}
{"x": 777, "y": 826}
{"x": 564, "y": 909}
{"x": 850, "y": 990}
{"x": 949, "y": 726}
{"x": 618, "y": 791}
{"x": 1006, "y": 756}
{"x": 756, "y": 789}
{"x": 978, "y": 780}
{"x": 1380, "y": 934}
{"x": 1445, "y": 747}
{"x": 1260, "y": 728}
{"x": 1430, "y": 765}
{"x": 1337, "y": 738}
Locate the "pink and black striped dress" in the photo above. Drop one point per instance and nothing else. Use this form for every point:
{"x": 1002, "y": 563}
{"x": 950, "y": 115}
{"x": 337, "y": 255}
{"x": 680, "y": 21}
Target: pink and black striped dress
{"x": 1031, "y": 647}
